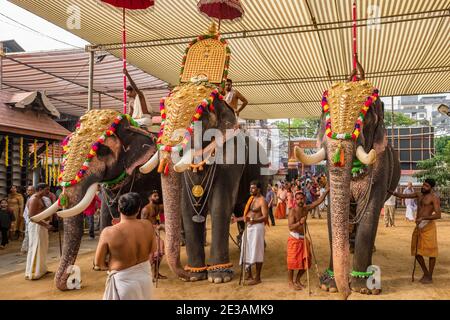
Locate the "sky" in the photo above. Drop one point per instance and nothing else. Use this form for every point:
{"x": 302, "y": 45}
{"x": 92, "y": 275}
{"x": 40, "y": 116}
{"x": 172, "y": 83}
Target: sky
{"x": 29, "y": 40}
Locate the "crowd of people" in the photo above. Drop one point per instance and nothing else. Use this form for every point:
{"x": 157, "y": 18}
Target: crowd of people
{"x": 131, "y": 251}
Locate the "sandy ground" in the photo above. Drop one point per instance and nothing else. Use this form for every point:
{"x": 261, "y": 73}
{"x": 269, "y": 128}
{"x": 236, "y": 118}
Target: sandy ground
{"x": 392, "y": 255}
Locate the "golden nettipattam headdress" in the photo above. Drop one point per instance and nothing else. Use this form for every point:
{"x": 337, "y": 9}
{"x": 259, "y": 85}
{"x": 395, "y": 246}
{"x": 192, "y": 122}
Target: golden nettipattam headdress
{"x": 204, "y": 68}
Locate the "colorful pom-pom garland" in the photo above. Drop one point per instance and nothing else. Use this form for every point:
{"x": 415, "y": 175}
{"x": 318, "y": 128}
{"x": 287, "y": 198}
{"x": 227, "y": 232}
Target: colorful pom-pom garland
{"x": 205, "y": 104}
{"x": 227, "y": 57}
{"x": 359, "y": 122}
{"x": 92, "y": 153}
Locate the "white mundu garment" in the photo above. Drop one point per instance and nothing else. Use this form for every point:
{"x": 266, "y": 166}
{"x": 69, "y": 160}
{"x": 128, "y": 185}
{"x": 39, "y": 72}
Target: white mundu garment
{"x": 141, "y": 118}
{"x": 134, "y": 283}
{"x": 253, "y": 237}
{"x": 37, "y": 251}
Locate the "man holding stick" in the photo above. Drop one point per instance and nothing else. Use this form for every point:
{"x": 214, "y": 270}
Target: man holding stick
{"x": 298, "y": 248}
{"x": 424, "y": 238}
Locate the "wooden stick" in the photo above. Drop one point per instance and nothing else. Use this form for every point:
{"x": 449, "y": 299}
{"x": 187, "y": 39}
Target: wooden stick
{"x": 244, "y": 254}
{"x": 415, "y": 255}
{"x": 307, "y": 262}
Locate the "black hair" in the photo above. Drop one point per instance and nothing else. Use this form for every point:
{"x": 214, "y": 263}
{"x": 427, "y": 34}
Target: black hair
{"x": 154, "y": 191}
{"x": 229, "y": 80}
{"x": 431, "y": 182}
{"x": 130, "y": 88}
{"x": 129, "y": 204}
{"x": 256, "y": 183}
{"x": 4, "y": 199}
{"x": 41, "y": 186}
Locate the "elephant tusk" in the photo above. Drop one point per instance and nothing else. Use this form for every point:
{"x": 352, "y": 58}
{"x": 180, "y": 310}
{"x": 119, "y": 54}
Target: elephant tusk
{"x": 184, "y": 163}
{"x": 82, "y": 205}
{"x": 309, "y": 159}
{"x": 47, "y": 213}
{"x": 151, "y": 164}
{"x": 366, "y": 158}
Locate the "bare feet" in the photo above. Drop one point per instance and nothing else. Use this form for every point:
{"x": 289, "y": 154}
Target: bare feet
{"x": 426, "y": 280}
{"x": 253, "y": 282}
{"x": 160, "y": 276}
{"x": 299, "y": 284}
{"x": 294, "y": 286}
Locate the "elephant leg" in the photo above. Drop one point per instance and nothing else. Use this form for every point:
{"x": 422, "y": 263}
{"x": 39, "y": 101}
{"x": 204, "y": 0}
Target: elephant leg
{"x": 364, "y": 244}
{"x": 221, "y": 209}
{"x": 194, "y": 236}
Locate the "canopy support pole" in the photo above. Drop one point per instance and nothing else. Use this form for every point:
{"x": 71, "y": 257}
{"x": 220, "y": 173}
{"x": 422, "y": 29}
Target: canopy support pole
{"x": 91, "y": 80}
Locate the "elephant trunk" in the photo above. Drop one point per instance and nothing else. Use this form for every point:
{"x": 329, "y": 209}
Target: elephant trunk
{"x": 171, "y": 186}
{"x": 340, "y": 178}
{"x": 73, "y": 232}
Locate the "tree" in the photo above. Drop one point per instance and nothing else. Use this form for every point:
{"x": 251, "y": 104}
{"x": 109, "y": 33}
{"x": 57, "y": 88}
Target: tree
{"x": 440, "y": 143}
{"x": 399, "y": 119}
{"x": 299, "y": 128}
{"x": 437, "y": 168}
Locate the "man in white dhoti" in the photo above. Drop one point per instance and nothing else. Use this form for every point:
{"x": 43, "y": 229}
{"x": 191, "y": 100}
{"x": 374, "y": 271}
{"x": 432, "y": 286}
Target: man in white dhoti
{"x": 411, "y": 205}
{"x": 36, "y": 266}
{"x": 252, "y": 248}
{"x": 24, "y": 249}
{"x": 138, "y": 107}
{"x": 128, "y": 245}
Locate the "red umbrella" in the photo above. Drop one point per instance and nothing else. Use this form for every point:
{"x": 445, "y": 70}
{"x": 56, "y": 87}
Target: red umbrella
{"x": 221, "y": 9}
{"x": 132, "y": 5}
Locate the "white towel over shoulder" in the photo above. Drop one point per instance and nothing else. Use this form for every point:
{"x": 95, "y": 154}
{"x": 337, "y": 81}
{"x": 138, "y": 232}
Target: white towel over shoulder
{"x": 134, "y": 283}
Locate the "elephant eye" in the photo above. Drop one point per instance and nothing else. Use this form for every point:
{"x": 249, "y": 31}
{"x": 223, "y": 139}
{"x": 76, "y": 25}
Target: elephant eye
{"x": 103, "y": 151}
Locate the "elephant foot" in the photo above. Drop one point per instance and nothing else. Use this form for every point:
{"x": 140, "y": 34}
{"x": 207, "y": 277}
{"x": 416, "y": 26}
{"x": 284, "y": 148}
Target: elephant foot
{"x": 196, "y": 274}
{"x": 220, "y": 273}
{"x": 359, "y": 285}
{"x": 327, "y": 282}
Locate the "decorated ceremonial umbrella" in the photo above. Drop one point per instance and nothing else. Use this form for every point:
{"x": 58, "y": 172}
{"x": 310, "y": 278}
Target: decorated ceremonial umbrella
{"x": 221, "y": 9}
{"x": 132, "y": 5}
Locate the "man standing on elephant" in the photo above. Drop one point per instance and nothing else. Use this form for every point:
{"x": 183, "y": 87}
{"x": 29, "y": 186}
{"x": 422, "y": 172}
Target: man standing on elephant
{"x": 138, "y": 104}
{"x": 232, "y": 98}
{"x": 424, "y": 238}
{"x": 128, "y": 245}
{"x": 255, "y": 216}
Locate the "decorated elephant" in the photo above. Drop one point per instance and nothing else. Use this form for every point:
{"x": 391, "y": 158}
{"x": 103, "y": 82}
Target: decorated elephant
{"x": 211, "y": 185}
{"x": 107, "y": 147}
{"x": 362, "y": 166}
{"x": 214, "y": 177}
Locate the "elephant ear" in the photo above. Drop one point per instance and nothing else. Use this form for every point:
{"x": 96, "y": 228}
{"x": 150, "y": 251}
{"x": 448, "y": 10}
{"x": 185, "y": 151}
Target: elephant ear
{"x": 373, "y": 131}
{"x": 224, "y": 115}
{"x": 137, "y": 145}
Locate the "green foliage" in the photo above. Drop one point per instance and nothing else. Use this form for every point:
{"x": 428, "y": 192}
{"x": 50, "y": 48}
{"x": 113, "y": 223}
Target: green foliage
{"x": 399, "y": 119}
{"x": 437, "y": 167}
{"x": 299, "y": 128}
{"x": 440, "y": 143}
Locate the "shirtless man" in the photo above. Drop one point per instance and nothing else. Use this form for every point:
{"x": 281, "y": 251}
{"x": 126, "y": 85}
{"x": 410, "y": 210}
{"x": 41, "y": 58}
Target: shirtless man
{"x": 128, "y": 245}
{"x": 37, "y": 236}
{"x": 297, "y": 248}
{"x": 153, "y": 212}
{"x": 424, "y": 238}
{"x": 232, "y": 97}
{"x": 138, "y": 109}
{"x": 255, "y": 216}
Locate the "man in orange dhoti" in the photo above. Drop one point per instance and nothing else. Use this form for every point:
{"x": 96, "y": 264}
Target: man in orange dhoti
{"x": 298, "y": 247}
{"x": 280, "y": 212}
{"x": 424, "y": 238}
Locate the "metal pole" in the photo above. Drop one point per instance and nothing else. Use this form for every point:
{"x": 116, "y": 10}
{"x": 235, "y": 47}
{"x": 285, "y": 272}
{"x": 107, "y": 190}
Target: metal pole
{"x": 99, "y": 100}
{"x": 289, "y": 138}
{"x": 91, "y": 80}
{"x": 1, "y": 65}
{"x": 392, "y": 121}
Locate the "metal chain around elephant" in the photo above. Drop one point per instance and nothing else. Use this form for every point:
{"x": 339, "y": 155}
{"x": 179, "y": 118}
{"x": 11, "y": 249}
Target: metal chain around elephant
{"x": 361, "y": 212}
{"x": 208, "y": 187}
{"x": 108, "y": 199}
